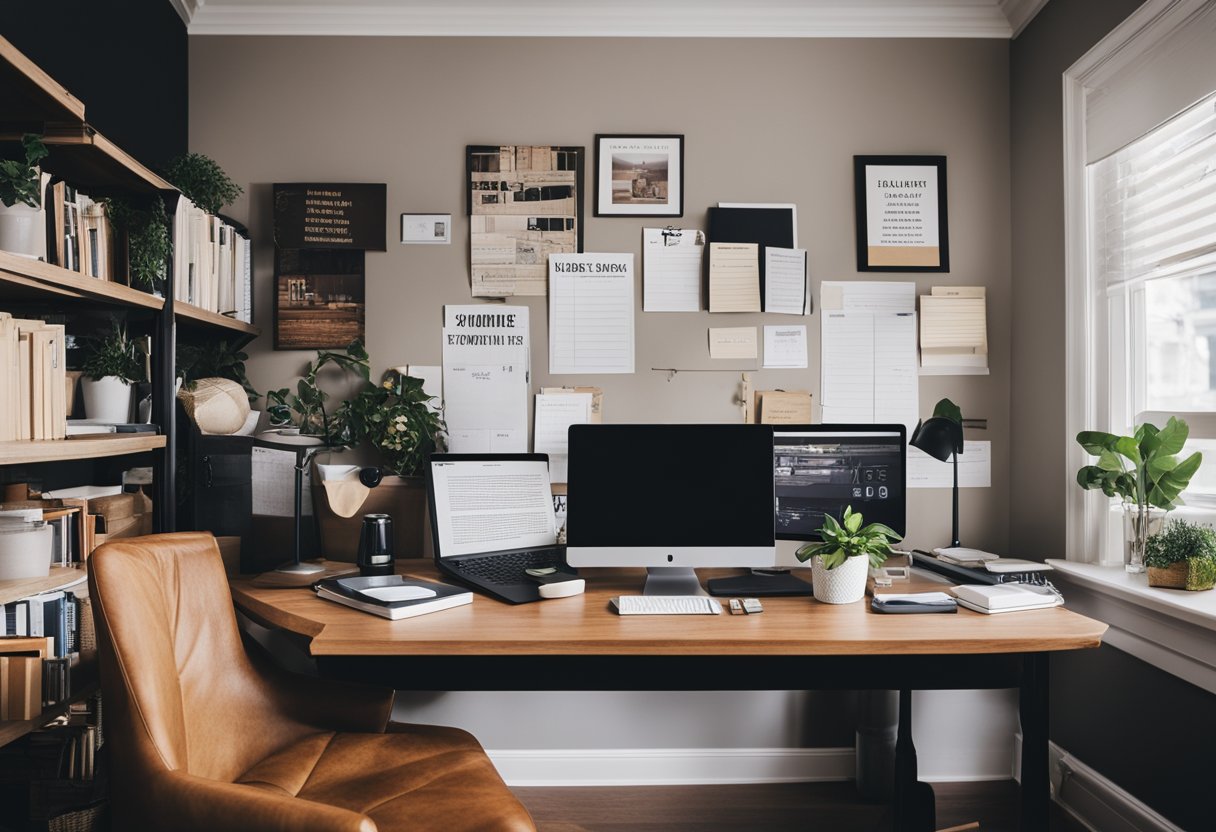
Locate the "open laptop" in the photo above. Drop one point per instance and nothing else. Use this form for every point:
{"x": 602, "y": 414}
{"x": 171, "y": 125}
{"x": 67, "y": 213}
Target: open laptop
{"x": 492, "y": 518}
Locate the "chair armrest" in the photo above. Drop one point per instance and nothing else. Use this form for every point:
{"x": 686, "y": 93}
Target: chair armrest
{"x": 194, "y": 803}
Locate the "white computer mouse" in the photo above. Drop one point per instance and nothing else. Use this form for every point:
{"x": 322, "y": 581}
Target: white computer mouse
{"x": 563, "y": 589}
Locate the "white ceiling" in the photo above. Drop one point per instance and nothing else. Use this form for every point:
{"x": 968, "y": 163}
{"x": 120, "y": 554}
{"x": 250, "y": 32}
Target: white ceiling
{"x": 612, "y": 18}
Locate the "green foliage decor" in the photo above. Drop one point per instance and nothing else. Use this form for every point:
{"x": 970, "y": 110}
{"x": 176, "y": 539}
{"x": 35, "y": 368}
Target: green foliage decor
{"x": 213, "y": 359}
{"x": 19, "y": 180}
{"x": 849, "y": 539}
{"x": 114, "y": 355}
{"x": 307, "y": 407}
{"x": 148, "y": 243}
{"x": 397, "y": 420}
{"x": 1144, "y": 468}
{"x": 1189, "y": 543}
{"x": 203, "y": 182}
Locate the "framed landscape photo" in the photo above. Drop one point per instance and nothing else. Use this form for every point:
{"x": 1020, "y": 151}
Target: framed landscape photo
{"x": 639, "y": 176}
{"x": 901, "y": 214}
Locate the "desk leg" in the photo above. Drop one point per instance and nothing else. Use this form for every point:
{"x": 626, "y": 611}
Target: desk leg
{"x": 1033, "y": 707}
{"x": 913, "y": 808}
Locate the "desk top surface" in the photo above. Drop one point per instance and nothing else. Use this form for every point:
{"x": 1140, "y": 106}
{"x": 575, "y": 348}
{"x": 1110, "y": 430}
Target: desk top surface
{"x": 587, "y": 625}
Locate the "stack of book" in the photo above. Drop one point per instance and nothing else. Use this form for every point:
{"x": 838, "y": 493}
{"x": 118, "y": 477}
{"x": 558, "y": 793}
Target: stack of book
{"x": 33, "y": 376}
{"x": 80, "y": 235}
{"x": 998, "y": 598}
{"x": 211, "y": 263}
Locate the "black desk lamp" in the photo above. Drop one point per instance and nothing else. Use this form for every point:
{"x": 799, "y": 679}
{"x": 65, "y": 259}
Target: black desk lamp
{"x": 304, "y": 447}
{"x": 941, "y": 437}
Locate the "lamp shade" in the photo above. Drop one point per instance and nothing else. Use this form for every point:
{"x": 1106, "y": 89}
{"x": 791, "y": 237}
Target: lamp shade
{"x": 939, "y": 437}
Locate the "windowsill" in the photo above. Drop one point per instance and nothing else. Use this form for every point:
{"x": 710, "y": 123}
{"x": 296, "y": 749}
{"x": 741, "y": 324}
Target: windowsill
{"x": 1170, "y": 629}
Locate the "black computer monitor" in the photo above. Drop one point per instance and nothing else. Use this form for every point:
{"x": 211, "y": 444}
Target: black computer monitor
{"x": 822, "y": 469}
{"x": 674, "y": 496}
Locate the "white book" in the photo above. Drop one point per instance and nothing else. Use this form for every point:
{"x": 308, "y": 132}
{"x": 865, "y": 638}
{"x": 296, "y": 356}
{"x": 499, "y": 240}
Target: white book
{"x": 1005, "y": 597}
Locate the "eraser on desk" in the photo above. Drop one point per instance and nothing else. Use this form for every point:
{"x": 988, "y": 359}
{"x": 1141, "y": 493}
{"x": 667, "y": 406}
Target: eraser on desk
{"x": 563, "y": 589}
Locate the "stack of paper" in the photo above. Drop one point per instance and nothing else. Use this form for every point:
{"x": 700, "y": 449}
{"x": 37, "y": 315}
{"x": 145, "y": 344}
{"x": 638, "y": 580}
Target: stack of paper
{"x": 953, "y": 327}
{"x": 999, "y": 598}
{"x": 33, "y": 380}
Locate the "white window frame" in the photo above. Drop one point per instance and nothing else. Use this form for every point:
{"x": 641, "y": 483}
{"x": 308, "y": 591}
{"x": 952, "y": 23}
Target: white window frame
{"x": 1087, "y": 343}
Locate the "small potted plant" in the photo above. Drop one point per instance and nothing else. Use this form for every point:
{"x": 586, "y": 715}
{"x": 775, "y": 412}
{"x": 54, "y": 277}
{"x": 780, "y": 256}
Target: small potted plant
{"x": 841, "y": 563}
{"x": 1182, "y": 556}
{"x": 203, "y": 182}
{"x": 340, "y": 374}
{"x": 147, "y": 238}
{"x": 22, "y": 230}
{"x": 112, "y": 364}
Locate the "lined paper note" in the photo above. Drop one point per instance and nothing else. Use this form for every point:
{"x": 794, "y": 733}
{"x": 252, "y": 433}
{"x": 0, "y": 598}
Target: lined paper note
{"x": 591, "y": 313}
{"x": 733, "y": 342}
{"x": 974, "y": 467}
{"x": 485, "y": 378}
{"x": 672, "y": 263}
{"x": 868, "y": 296}
{"x": 734, "y": 277}
{"x": 785, "y": 347}
{"x": 554, "y": 416}
{"x": 785, "y": 281}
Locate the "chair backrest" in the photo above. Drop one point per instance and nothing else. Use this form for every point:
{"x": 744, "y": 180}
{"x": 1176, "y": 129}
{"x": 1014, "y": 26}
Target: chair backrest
{"x": 180, "y": 692}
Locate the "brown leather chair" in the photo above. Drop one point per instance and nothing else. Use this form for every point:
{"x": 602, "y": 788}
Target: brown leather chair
{"x": 204, "y": 737}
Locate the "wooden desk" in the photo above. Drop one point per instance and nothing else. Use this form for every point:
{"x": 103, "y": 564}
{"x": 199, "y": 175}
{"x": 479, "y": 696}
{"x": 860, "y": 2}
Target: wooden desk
{"x": 796, "y": 644}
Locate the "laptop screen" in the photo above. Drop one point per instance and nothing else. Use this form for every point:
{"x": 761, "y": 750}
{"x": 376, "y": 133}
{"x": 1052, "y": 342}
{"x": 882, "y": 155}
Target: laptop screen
{"x": 490, "y": 505}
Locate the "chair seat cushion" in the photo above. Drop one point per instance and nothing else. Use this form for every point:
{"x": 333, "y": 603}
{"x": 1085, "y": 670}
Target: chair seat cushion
{"x": 415, "y": 777}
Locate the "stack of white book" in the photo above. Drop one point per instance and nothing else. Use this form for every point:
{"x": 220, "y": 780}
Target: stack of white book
{"x": 995, "y": 598}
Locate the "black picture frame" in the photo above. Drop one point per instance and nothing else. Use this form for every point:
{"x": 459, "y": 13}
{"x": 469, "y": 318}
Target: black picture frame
{"x": 670, "y": 145}
{"x": 930, "y": 187}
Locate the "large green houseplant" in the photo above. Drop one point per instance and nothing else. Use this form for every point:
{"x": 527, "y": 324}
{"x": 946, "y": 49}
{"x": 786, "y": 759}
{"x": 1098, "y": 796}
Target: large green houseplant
{"x": 21, "y": 231}
{"x": 841, "y": 561}
{"x": 1145, "y": 471}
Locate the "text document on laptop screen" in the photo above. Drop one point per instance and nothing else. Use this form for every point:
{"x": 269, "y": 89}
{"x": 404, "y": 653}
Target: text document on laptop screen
{"x": 492, "y": 506}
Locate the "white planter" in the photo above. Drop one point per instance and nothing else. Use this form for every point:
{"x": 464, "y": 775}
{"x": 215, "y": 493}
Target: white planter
{"x": 842, "y": 585}
{"x": 107, "y": 399}
{"x": 22, "y": 230}
{"x": 25, "y": 552}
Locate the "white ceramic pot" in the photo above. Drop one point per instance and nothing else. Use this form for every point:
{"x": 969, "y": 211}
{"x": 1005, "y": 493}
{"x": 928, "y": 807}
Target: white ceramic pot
{"x": 107, "y": 399}
{"x": 25, "y": 552}
{"x": 842, "y": 585}
{"x": 22, "y": 230}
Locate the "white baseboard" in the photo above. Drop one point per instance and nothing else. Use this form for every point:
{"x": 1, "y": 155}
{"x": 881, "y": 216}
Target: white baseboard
{"x": 671, "y": 766}
{"x": 1096, "y": 802}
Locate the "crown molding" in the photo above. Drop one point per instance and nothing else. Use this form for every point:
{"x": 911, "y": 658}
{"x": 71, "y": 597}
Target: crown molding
{"x": 1020, "y": 12}
{"x": 607, "y": 18}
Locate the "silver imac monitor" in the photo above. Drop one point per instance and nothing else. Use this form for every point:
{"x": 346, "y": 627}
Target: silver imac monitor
{"x": 821, "y": 469}
{"x": 670, "y": 497}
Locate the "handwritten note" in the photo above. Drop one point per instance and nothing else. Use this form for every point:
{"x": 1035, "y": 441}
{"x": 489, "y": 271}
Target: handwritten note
{"x": 591, "y": 306}
{"x": 671, "y": 260}
{"x": 734, "y": 277}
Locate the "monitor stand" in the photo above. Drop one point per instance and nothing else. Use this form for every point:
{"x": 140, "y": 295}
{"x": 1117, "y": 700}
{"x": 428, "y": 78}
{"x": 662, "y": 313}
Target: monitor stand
{"x": 760, "y": 583}
{"x": 672, "y": 580}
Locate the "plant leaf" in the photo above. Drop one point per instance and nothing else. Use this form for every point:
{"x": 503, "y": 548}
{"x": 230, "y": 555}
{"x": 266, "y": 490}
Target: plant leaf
{"x": 1095, "y": 442}
{"x": 1128, "y": 447}
{"x": 948, "y": 410}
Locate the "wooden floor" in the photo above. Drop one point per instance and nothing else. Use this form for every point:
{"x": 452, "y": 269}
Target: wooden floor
{"x": 806, "y": 807}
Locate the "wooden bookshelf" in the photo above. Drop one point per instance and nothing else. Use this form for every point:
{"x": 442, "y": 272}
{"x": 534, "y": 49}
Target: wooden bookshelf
{"x": 30, "y": 97}
{"x": 29, "y": 278}
{"x": 85, "y": 447}
{"x": 60, "y": 577}
{"x": 190, "y": 315}
{"x": 84, "y": 685}
{"x": 93, "y": 163}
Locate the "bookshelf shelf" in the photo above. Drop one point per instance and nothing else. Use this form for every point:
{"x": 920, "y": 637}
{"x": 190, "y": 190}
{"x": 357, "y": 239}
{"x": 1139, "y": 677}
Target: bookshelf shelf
{"x": 33, "y": 279}
{"x": 90, "y": 447}
{"x": 60, "y": 577}
{"x": 190, "y": 315}
{"x": 92, "y": 163}
{"x": 28, "y": 96}
{"x": 84, "y": 684}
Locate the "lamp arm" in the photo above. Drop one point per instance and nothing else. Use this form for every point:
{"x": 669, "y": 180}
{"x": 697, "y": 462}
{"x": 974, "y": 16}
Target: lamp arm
{"x": 954, "y": 527}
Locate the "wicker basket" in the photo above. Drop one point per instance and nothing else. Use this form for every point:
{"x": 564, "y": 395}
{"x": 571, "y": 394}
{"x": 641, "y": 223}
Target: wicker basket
{"x": 88, "y": 819}
{"x": 1170, "y": 577}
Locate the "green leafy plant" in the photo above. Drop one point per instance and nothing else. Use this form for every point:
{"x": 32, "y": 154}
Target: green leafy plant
{"x": 850, "y": 539}
{"x": 203, "y": 182}
{"x": 397, "y": 420}
{"x": 114, "y": 355}
{"x": 19, "y": 180}
{"x": 1178, "y": 542}
{"x": 213, "y": 359}
{"x": 307, "y": 407}
{"x": 148, "y": 243}
{"x": 1144, "y": 468}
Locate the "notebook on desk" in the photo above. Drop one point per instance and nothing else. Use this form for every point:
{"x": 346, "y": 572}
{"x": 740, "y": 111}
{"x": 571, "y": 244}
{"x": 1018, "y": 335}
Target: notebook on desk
{"x": 491, "y": 519}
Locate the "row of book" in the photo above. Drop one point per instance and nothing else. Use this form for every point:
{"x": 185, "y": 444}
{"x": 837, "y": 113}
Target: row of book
{"x": 79, "y": 524}
{"x": 212, "y": 266}
{"x": 33, "y": 378}
{"x": 52, "y": 615}
{"x": 80, "y": 235}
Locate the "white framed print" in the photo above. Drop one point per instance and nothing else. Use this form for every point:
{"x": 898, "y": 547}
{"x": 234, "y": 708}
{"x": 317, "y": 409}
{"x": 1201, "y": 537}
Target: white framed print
{"x": 639, "y": 175}
{"x": 426, "y": 228}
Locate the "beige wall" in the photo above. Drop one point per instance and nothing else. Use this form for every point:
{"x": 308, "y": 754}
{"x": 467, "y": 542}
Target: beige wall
{"x": 764, "y": 120}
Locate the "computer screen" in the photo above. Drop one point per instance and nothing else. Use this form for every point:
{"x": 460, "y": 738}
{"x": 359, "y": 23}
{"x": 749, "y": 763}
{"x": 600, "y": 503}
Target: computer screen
{"x": 484, "y": 503}
{"x": 670, "y": 495}
{"x": 821, "y": 469}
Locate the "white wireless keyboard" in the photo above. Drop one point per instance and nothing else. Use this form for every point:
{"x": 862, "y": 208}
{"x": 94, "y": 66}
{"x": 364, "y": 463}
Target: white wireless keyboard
{"x": 667, "y": 605}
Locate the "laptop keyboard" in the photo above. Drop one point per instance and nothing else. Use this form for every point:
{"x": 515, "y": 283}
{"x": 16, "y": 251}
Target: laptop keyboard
{"x": 508, "y": 568}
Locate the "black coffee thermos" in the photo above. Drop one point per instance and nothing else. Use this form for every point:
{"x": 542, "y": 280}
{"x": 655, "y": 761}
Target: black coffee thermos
{"x": 376, "y": 545}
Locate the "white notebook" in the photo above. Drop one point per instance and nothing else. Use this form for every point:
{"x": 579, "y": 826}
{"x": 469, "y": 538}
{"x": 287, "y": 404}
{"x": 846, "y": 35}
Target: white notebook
{"x": 1005, "y": 597}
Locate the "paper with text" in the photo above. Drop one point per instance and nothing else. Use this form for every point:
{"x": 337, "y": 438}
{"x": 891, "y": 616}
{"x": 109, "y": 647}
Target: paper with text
{"x": 869, "y": 371}
{"x": 974, "y": 467}
{"x": 780, "y": 407}
{"x": 786, "y": 285}
{"x": 734, "y": 277}
{"x": 486, "y": 378}
{"x": 867, "y": 296}
{"x": 672, "y": 265}
{"x": 554, "y": 416}
{"x": 785, "y": 347}
{"x": 492, "y": 506}
{"x": 591, "y": 317}
{"x": 274, "y": 483}
{"x": 733, "y": 342}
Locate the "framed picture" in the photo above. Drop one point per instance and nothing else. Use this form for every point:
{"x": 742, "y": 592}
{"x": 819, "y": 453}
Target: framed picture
{"x": 319, "y": 298}
{"x": 901, "y": 214}
{"x": 426, "y": 229}
{"x": 639, "y": 176}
